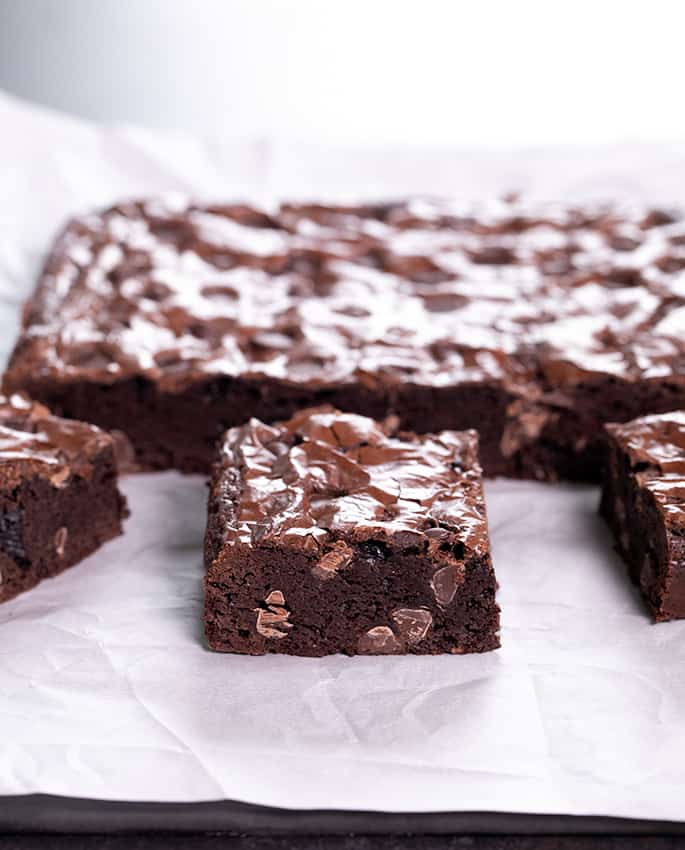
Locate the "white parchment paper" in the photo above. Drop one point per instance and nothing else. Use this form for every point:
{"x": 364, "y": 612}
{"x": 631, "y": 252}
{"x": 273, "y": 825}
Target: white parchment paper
{"x": 106, "y": 689}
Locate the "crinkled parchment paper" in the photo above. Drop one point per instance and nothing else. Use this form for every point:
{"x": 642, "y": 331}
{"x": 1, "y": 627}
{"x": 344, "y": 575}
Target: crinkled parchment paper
{"x": 106, "y": 689}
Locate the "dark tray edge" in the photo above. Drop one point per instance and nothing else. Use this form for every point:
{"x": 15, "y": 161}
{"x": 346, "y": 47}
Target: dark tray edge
{"x": 49, "y": 813}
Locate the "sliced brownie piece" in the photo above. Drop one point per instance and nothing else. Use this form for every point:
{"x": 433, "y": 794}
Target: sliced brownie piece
{"x": 643, "y": 501}
{"x": 58, "y": 493}
{"x": 332, "y": 533}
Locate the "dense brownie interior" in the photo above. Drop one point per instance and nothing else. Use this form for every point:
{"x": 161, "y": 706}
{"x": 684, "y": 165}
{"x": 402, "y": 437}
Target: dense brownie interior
{"x": 534, "y": 324}
{"x": 643, "y": 500}
{"x": 332, "y": 533}
{"x": 58, "y": 494}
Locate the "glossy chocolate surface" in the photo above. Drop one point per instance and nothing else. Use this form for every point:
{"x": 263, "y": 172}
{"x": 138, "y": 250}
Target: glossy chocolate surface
{"x": 326, "y": 475}
{"x": 655, "y": 446}
{"x": 32, "y": 438}
{"x": 429, "y": 292}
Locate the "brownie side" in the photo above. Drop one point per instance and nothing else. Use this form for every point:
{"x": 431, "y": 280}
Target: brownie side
{"x": 59, "y": 499}
{"x": 570, "y": 444}
{"x": 269, "y": 599}
{"x": 643, "y": 501}
{"x": 301, "y": 577}
{"x": 44, "y": 529}
{"x": 484, "y": 407}
{"x": 180, "y": 429}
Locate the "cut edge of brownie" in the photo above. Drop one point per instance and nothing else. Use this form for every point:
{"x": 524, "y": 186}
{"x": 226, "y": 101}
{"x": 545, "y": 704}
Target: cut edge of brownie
{"x": 649, "y": 532}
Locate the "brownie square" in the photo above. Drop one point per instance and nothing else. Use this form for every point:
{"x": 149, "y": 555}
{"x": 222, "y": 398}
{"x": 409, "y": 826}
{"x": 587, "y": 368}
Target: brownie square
{"x": 58, "y": 494}
{"x": 533, "y": 323}
{"x": 643, "y": 500}
{"x": 333, "y": 533}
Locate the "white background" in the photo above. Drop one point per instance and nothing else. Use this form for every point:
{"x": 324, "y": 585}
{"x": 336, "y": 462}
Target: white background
{"x": 363, "y": 72}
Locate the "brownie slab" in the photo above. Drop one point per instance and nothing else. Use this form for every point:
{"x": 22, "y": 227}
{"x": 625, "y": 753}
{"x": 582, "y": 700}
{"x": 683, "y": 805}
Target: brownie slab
{"x": 534, "y": 323}
{"x": 332, "y": 533}
{"x": 643, "y": 500}
{"x": 58, "y": 494}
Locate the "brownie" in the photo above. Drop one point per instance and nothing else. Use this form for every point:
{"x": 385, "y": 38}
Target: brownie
{"x": 334, "y": 533}
{"x": 58, "y": 493}
{"x": 534, "y": 323}
{"x": 643, "y": 500}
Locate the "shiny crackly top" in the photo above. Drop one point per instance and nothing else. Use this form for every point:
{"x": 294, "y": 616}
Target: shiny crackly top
{"x": 655, "y": 446}
{"x": 34, "y": 441}
{"x": 327, "y": 476}
{"x": 429, "y": 291}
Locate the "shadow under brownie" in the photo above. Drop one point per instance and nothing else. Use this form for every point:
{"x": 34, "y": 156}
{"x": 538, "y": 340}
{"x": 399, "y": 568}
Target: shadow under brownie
{"x": 58, "y": 494}
{"x": 643, "y": 500}
{"x": 333, "y": 533}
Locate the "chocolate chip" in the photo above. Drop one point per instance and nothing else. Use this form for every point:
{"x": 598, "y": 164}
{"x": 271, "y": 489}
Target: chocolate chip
{"x": 272, "y": 616}
{"x": 275, "y": 598}
{"x": 60, "y": 477}
{"x": 437, "y": 533}
{"x": 444, "y": 584}
{"x": 336, "y": 559}
{"x": 380, "y": 640}
{"x": 61, "y": 536}
{"x": 412, "y": 624}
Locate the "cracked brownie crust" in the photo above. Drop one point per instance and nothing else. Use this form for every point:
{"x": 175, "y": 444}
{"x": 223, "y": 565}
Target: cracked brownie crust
{"x": 536, "y": 325}
{"x": 643, "y": 501}
{"x": 58, "y": 494}
{"x": 333, "y": 533}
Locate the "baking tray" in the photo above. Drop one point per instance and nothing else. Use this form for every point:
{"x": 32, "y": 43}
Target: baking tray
{"x": 49, "y": 813}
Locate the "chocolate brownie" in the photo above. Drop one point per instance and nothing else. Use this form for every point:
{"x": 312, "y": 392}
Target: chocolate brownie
{"x": 333, "y": 533}
{"x": 173, "y": 321}
{"x": 643, "y": 500}
{"x": 58, "y": 494}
